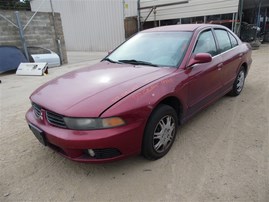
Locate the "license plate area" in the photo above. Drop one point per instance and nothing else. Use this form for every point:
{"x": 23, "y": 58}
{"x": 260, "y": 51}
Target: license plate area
{"x": 39, "y": 134}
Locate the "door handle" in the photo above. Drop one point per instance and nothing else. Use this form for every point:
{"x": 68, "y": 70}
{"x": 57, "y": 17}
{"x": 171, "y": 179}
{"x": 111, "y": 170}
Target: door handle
{"x": 240, "y": 55}
{"x": 219, "y": 66}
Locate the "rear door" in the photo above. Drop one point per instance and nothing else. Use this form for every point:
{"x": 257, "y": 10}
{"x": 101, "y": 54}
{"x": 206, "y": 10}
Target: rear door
{"x": 231, "y": 56}
{"x": 204, "y": 79}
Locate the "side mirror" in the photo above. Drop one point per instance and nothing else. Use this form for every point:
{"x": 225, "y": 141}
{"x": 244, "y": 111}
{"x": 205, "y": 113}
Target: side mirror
{"x": 200, "y": 58}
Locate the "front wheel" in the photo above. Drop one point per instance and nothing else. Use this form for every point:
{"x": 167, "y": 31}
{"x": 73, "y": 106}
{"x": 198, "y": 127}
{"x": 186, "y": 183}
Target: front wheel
{"x": 238, "y": 83}
{"x": 160, "y": 132}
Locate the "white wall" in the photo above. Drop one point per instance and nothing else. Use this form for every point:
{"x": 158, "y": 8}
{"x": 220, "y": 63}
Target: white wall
{"x": 193, "y": 8}
{"x": 131, "y": 8}
{"x": 91, "y": 25}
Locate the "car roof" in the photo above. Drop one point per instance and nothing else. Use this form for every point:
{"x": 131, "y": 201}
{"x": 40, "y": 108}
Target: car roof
{"x": 185, "y": 27}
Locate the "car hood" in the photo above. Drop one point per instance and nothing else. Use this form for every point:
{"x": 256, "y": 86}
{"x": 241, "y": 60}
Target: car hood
{"x": 89, "y": 91}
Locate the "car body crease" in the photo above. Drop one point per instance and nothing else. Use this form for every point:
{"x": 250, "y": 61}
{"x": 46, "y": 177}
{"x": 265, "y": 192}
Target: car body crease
{"x": 134, "y": 91}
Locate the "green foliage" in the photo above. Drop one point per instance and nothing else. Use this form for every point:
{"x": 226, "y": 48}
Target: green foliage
{"x": 15, "y": 5}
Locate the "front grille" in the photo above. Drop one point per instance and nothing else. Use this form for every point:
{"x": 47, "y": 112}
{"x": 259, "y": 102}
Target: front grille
{"x": 55, "y": 119}
{"x": 37, "y": 110}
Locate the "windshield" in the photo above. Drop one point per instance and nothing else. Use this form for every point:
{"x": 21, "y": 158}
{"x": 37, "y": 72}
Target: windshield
{"x": 155, "y": 49}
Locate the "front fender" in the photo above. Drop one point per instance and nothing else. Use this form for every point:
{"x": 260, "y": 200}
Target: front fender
{"x": 140, "y": 104}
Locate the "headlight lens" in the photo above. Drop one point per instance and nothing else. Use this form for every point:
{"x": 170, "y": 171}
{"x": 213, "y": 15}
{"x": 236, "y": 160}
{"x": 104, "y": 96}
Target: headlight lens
{"x": 92, "y": 123}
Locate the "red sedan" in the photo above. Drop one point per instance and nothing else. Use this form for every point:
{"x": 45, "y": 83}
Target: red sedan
{"x": 133, "y": 101}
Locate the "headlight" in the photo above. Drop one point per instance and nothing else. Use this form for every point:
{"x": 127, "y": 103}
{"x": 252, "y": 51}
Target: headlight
{"x": 91, "y": 123}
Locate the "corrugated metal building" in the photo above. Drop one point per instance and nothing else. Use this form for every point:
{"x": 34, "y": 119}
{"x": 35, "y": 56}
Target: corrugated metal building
{"x": 176, "y": 9}
{"x": 90, "y": 25}
{"x": 167, "y": 12}
{"x": 99, "y": 25}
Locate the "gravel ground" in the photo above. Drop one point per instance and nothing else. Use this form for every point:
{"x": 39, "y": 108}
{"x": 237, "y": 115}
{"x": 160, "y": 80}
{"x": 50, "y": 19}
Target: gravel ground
{"x": 222, "y": 154}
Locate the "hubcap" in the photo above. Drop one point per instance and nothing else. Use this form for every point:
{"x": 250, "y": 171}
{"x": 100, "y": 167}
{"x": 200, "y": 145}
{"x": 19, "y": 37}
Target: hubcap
{"x": 164, "y": 133}
{"x": 240, "y": 81}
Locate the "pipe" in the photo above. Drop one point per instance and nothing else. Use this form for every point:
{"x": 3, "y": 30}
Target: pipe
{"x": 240, "y": 16}
{"x": 22, "y": 35}
{"x": 264, "y": 20}
{"x": 155, "y": 23}
{"x": 233, "y": 23}
{"x": 258, "y": 20}
{"x": 9, "y": 21}
{"x": 147, "y": 16}
{"x": 138, "y": 16}
{"x": 58, "y": 41}
{"x": 258, "y": 15}
{"x": 33, "y": 15}
{"x": 51, "y": 6}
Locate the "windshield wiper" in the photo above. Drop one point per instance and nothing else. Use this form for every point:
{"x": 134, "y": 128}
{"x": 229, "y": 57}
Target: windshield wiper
{"x": 138, "y": 62}
{"x": 109, "y": 60}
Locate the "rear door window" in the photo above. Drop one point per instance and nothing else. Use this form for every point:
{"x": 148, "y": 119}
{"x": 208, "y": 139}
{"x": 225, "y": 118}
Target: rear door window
{"x": 223, "y": 40}
{"x": 233, "y": 40}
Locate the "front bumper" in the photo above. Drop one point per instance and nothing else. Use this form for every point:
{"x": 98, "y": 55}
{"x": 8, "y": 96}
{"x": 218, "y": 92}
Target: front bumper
{"x": 116, "y": 143}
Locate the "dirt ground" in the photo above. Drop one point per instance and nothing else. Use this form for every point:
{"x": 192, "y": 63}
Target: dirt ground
{"x": 222, "y": 154}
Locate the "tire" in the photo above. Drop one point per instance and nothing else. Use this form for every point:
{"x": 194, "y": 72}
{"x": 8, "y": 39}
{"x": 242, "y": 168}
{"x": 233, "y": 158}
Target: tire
{"x": 156, "y": 143}
{"x": 238, "y": 83}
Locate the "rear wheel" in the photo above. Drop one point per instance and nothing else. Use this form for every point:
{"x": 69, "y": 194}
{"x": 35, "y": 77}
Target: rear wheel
{"x": 160, "y": 132}
{"x": 238, "y": 83}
